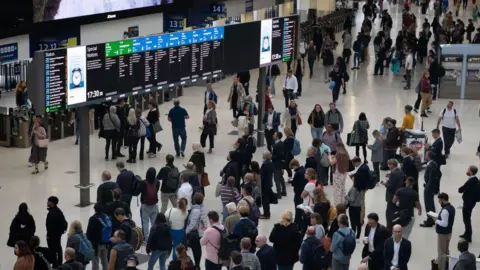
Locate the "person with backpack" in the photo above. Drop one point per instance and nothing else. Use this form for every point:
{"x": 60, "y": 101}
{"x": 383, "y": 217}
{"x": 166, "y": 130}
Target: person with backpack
{"x": 249, "y": 202}
{"x": 128, "y": 227}
{"x": 265, "y": 254}
{"x": 99, "y": 231}
{"x": 450, "y": 121}
{"x": 110, "y": 208}
{"x": 331, "y": 138}
{"x": 215, "y": 241}
{"x": 197, "y": 222}
{"x": 42, "y": 255}
{"x": 56, "y": 227}
{"x": 149, "y": 199}
{"x": 120, "y": 251}
{"x": 126, "y": 182}
{"x": 343, "y": 244}
{"x": 334, "y": 118}
{"x": 84, "y": 251}
{"x": 159, "y": 243}
{"x": 105, "y": 189}
{"x": 312, "y": 252}
{"x": 170, "y": 177}
{"x": 246, "y": 227}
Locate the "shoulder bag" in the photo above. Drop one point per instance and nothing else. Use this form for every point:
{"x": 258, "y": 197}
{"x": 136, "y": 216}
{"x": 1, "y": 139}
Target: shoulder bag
{"x": 157, "y": 127}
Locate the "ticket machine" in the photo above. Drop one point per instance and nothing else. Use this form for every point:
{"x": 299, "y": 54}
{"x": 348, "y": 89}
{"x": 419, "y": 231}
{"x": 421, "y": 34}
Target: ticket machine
{"x": 472, "y": 83}
{"x": 451, "y": 83}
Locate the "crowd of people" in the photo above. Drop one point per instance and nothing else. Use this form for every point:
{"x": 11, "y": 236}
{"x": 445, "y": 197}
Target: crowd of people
{"x": 320, "y": 232}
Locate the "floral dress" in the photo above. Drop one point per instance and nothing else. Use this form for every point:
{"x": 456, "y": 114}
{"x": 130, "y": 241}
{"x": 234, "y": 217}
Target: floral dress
{"x": 339, "y": 191}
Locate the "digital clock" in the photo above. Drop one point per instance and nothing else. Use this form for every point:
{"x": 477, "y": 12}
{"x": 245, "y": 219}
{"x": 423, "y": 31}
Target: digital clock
{"x": 94, "y": 94}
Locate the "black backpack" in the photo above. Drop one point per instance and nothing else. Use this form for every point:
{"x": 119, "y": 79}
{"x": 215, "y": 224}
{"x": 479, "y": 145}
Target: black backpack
{"x": 253, "y": 145}
{"x": 173, "y": 178}
{"x": 228, "y": 243}
{"x": 477, "y": 189}
{"x": 348, "y": 243}
{"x": 372, "y": 180}
{"x": 317, "y": 259}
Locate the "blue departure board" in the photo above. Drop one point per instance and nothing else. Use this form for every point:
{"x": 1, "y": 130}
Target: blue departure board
{"x": 138, "y": 45}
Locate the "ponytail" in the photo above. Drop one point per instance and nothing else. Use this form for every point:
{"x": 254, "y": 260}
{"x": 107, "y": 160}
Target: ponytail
{"x": 182, "y": 256}
{"x": 182, "y": 204}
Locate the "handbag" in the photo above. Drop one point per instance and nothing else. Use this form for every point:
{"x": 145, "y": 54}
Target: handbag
{"x": 204, "y": 182}
{"x": 43, "y": 143}
{"x": 299, "y": 120}
{"x": 349, "y": 138}
{"x": 331, "y": 85}
{"x": 157, "y": 127}
{"x": 101, "y": 132}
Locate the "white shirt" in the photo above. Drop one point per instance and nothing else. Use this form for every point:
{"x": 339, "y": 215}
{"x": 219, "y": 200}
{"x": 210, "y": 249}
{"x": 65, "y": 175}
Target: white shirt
{"x": 270, "y": 121}
{"x": 409, "y": 62}
{"x": 176, "y": 218}
{"x": 396, "y": 249}
{"x": 444, "y": 216}
{"x": 186, "y": 191}
{"x": 307, "y": 201}
{"x": 291, "y": 83}
{"x": 207, "y": 94}
{"x": 448, "y": 119}
{"x": 371, "y": 236}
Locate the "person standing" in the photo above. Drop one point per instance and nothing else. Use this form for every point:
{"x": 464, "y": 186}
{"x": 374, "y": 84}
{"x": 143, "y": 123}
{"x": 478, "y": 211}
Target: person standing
{"x": 408, "y": 69}
{"x": 443, "y": 228}
{"x": 316, "y": 120}
{"x": 177, "y": 218}
{"x": 397, "y": 251}
{"x": 159, "y": 242}
{"x": 97, "y": 225}
{"x": 340, "y": 162}
{"x": 105, "y": 189}
{"x": 211, "y": 239}
{"x": 286, "y": 239}
{"x": 210, "y": 95}
{"x": 122, "y": 113}
{"x": 437, "y": 148}
{"x": 312, "y": 56}
{"x": 266, "y": 173}
{"x": 394, "y": 182}
{"x": 244, "y": 78}
{"x": 391, "y": 142}
{"x": 425, "y": 88}
{"x": 290, "y": 87}
{"x": 177, "y": 116}
{"x": 328, "y": 59}
{"x": 470, "y": 197}
{"x": 22, "y": 227}
{"x": 209, "y": 126}
{"x": 357, "y": 51}
{"x": 347, "y": 45}
{"x": 271, "y": 121}
{"x": 341, "y": 257}
{"x": 449, "y": 119}
{"x": 25, "y": 259}
{"x": 375, "y": 236}
{"x": 120, "y": 251}
{"x": 125, "y": 181}
{"x": 278, "y": 159}
{"x": 56, "y": 227}
{"x": 360, "y": 135}
{"x": 265, "y": 253}
{"x": 334, "y": 118}
{"x": 149, "y": 199}
{"x": 291, "y": 117}
{"x": 153, "y": 117}
{"x": 407, "y": 199}
{"x": 142, "y": 132}
{"x": 237, "y": 97}
{"x": 377, "y": 153}
{"x": 466, "y": 260}
{"x": 337, "y": 76}
{"x": 287, "y": 150}
{"x": 132, "y": 135}
{"x": 431, "y": 186}
{"x": 39, "y": 141}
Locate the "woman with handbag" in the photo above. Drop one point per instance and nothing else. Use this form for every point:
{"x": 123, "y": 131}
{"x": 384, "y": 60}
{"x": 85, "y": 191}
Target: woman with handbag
{"x": 111, "y": 131}
{"x": 39, "y": 145}
{"x": 209, "y": 126}
{"x": 197, "y": 223}
{"x": 359, "y": 136}
{"x": 132, "y": 135}
{"x": 291, "y": 117}
{"x": 142, "y": 132}
{"x": 153, "y": 118}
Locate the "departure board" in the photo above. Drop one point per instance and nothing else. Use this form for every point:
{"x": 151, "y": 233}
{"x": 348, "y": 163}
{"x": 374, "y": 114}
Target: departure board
{"x": 96, "y": 71}
{"x": 289, "y": 37}
{"x": 55, "y": 80}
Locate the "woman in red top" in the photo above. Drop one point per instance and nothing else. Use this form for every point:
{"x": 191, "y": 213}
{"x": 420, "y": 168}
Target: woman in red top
{"x": 268, "y": 101}
{"x": 425, "y": 88}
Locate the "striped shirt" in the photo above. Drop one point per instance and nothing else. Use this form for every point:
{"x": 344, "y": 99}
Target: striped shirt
{"x": 229, "y": 194}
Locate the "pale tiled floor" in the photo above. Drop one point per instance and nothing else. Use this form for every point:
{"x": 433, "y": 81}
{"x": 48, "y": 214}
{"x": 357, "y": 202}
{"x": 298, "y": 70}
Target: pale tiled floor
{"x": 378, "y": 97}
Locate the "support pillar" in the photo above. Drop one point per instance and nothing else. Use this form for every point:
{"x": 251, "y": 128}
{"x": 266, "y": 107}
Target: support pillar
{"x": 84, "y": 149}
{"x": 262, "y": 77}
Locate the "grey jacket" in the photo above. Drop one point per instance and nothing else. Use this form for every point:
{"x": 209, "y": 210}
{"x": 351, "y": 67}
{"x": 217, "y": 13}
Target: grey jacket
{"x": 377, "y": 150}
{"x": 355, "y": 197}
{"x": 347, "y": 41}
{"x": 466, "y": 261}
{"x": 250, "y": 260}
{"x": 197, "y": 218}
{"x": 334, "y": 117}
{"x": 211, "y": 118}
{"x": 111, "y": 122}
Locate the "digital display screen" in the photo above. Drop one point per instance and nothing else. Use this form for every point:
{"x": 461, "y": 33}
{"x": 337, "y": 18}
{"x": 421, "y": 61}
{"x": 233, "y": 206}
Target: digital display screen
{"x": 289, "y": 37}
{"x": 235, "y": 42}
{"x": 76, "y": 75}
{"x": 55, "y": 80}
{"x": 266, "y": 42}
{"x": 96, "y": 71}
{"x": 49, "y": 10}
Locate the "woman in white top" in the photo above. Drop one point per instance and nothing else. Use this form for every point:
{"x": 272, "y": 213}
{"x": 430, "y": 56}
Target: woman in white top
{"x": 176, "y": 217}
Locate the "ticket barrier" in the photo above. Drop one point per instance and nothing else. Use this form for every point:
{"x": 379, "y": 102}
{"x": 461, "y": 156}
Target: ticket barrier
{"x": 59, "y": 126}
{"x": 5, "y": 127}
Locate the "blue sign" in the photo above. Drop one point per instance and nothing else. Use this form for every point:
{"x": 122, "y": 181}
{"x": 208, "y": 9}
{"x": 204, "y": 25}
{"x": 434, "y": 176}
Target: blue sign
{"x": 8, "y": 52}
{"x": 174, "y": 39}
{"x": 163, "y": 41}
{"x": 138, "y": 45}
{"x": 151, "y": 43}
{"x": 218, "y": 32}
{"x": 186, "y": 38}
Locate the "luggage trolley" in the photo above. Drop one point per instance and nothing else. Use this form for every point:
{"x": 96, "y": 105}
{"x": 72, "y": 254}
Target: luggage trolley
{"x": 416, "y": 139}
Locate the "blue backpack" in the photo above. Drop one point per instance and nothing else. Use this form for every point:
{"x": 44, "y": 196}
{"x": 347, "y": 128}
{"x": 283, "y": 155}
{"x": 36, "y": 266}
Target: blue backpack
{"x": 106, "y": 228}
{"x": 85, "y": 248}
{"x": 296, "y": 150}
{"x": 348, "y": 243}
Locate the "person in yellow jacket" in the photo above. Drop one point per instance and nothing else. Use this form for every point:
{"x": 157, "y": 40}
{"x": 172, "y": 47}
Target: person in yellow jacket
{"x": 408, "y": 119}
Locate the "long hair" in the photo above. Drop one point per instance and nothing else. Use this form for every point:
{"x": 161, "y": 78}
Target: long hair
{"x": 182, "y": 205}
{"x": 23, "y": 249}
{"x": 132, "y": 117}
{"x": 182, "y": 256}
{"x": 319, "y": 196}
{"x": 75, "y": 227}
{"x": 343, "y": 159}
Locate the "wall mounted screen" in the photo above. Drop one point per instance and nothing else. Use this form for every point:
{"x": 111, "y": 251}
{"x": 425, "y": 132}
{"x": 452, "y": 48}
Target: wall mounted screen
{"x": 48, "y": 10}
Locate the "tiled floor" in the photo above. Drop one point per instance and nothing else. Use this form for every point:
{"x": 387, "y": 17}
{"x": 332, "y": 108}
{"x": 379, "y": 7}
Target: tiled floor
{"x": 377, "y": 96}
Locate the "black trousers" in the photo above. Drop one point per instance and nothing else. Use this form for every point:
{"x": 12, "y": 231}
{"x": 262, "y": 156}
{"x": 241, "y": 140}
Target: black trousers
{"x": 246, "y": 87}
{"x": 335, "y": 93}
{"x": 269, "y": 138}
{"x": 266, "y": 202}
{"x": 354, "y": 213}
{"x": 429, "y": 201}
{"x": 279, "y": 181}
{"x": 389, "y": 154}
{"x": 376, "y": 170}
{"x": 132, "y": 148}
{"x": 379, "y": 67}
{"x": 142, "y": 147}
{"x": 390, "y": 211}
{"x": 418, "y": 102}
{"x": 288, "y": 95}
{"x": 467, "y": 218}
{"x": 55, "y": 248}
{"x": 194, "y": 244}
{"x": 152, "y": 148}
{"x": 364, "y": 149}
{"x": 208, "y": 131}
{"x": 110, "y": 140}
{"x": 448, "y": 138}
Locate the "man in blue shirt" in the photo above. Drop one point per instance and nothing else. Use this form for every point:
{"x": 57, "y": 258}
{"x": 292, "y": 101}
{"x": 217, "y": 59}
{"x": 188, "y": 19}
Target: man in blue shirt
{"x": 177, "y": 116}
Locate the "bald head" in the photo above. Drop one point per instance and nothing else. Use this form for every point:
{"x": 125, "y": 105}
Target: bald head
{"x": 261, "y": 240}
{"x": 397, "y": 232}
{"x": 249, "y": 177}
{"x": 69, "y": 254}
{"x": 311, "y": 231}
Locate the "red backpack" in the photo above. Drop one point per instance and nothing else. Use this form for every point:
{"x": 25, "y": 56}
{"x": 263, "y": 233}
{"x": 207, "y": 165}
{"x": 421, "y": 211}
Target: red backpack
{"x": 151, "y": 195}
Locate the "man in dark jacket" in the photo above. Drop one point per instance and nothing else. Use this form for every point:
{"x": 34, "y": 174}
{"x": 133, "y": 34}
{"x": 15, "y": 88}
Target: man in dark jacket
{"x": 110, "y": 208}
{"x": 96, "y": 224}
{"x": 278, "y": 159}
{"x": 148, "y": 190}
{"x": 437, "y": 147}
{"x": 56, "y": 227}
{"x": 265, "y": 253}
{"x": 160, "y": 238}
{"x": 307, "y": 250}
{"x": 466, "y": 260}
{"x": 271, "y": 121}
{"x": 376, "y": 234}
{"x": 431, "y": 187}
{"x": 167, "y": 192}
{"x": 105, "y": 189}
{"x": 266, "y": 176}
{"x": 404, "y": 250}
{"x": 391, "y": 143}
{"x": 395, "y": 181}
{"x": 470, "y": 197}
{"x": 126, "y": 182}
{"x": 70, "y": 263}
{"x": 126, "y": 224}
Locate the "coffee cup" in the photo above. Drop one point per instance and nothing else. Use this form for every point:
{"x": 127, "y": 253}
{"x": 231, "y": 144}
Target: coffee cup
{"x": 365, "y": 240}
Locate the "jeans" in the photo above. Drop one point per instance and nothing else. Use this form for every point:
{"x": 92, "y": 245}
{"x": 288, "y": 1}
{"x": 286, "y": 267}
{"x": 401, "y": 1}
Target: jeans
{"x": 165, "y": 197}
{"x": 311, "y": 62}
{"x": 100, "y": 257}
{"x": 288, "y": 94}
{"x": 272, "y": 84}
{"x": 316, "y": 132}
{"x": 225, "y": 213}
{"x": 213, "y": 266}
{"x": 110, "y": 139}
{"x": 337, "y": 265}
{"x": 160, "y": 256}
{"x": 448, "y": 138}
{"x": 335, "y": 93}
{"x": 408, "y": 229}
{"x": 148, "y": 214}
{"x": 378, "y": 69}
{"x": 182, "y": 133}
{"x": 178, "y": 236}
{"x": 356, "y": 58}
